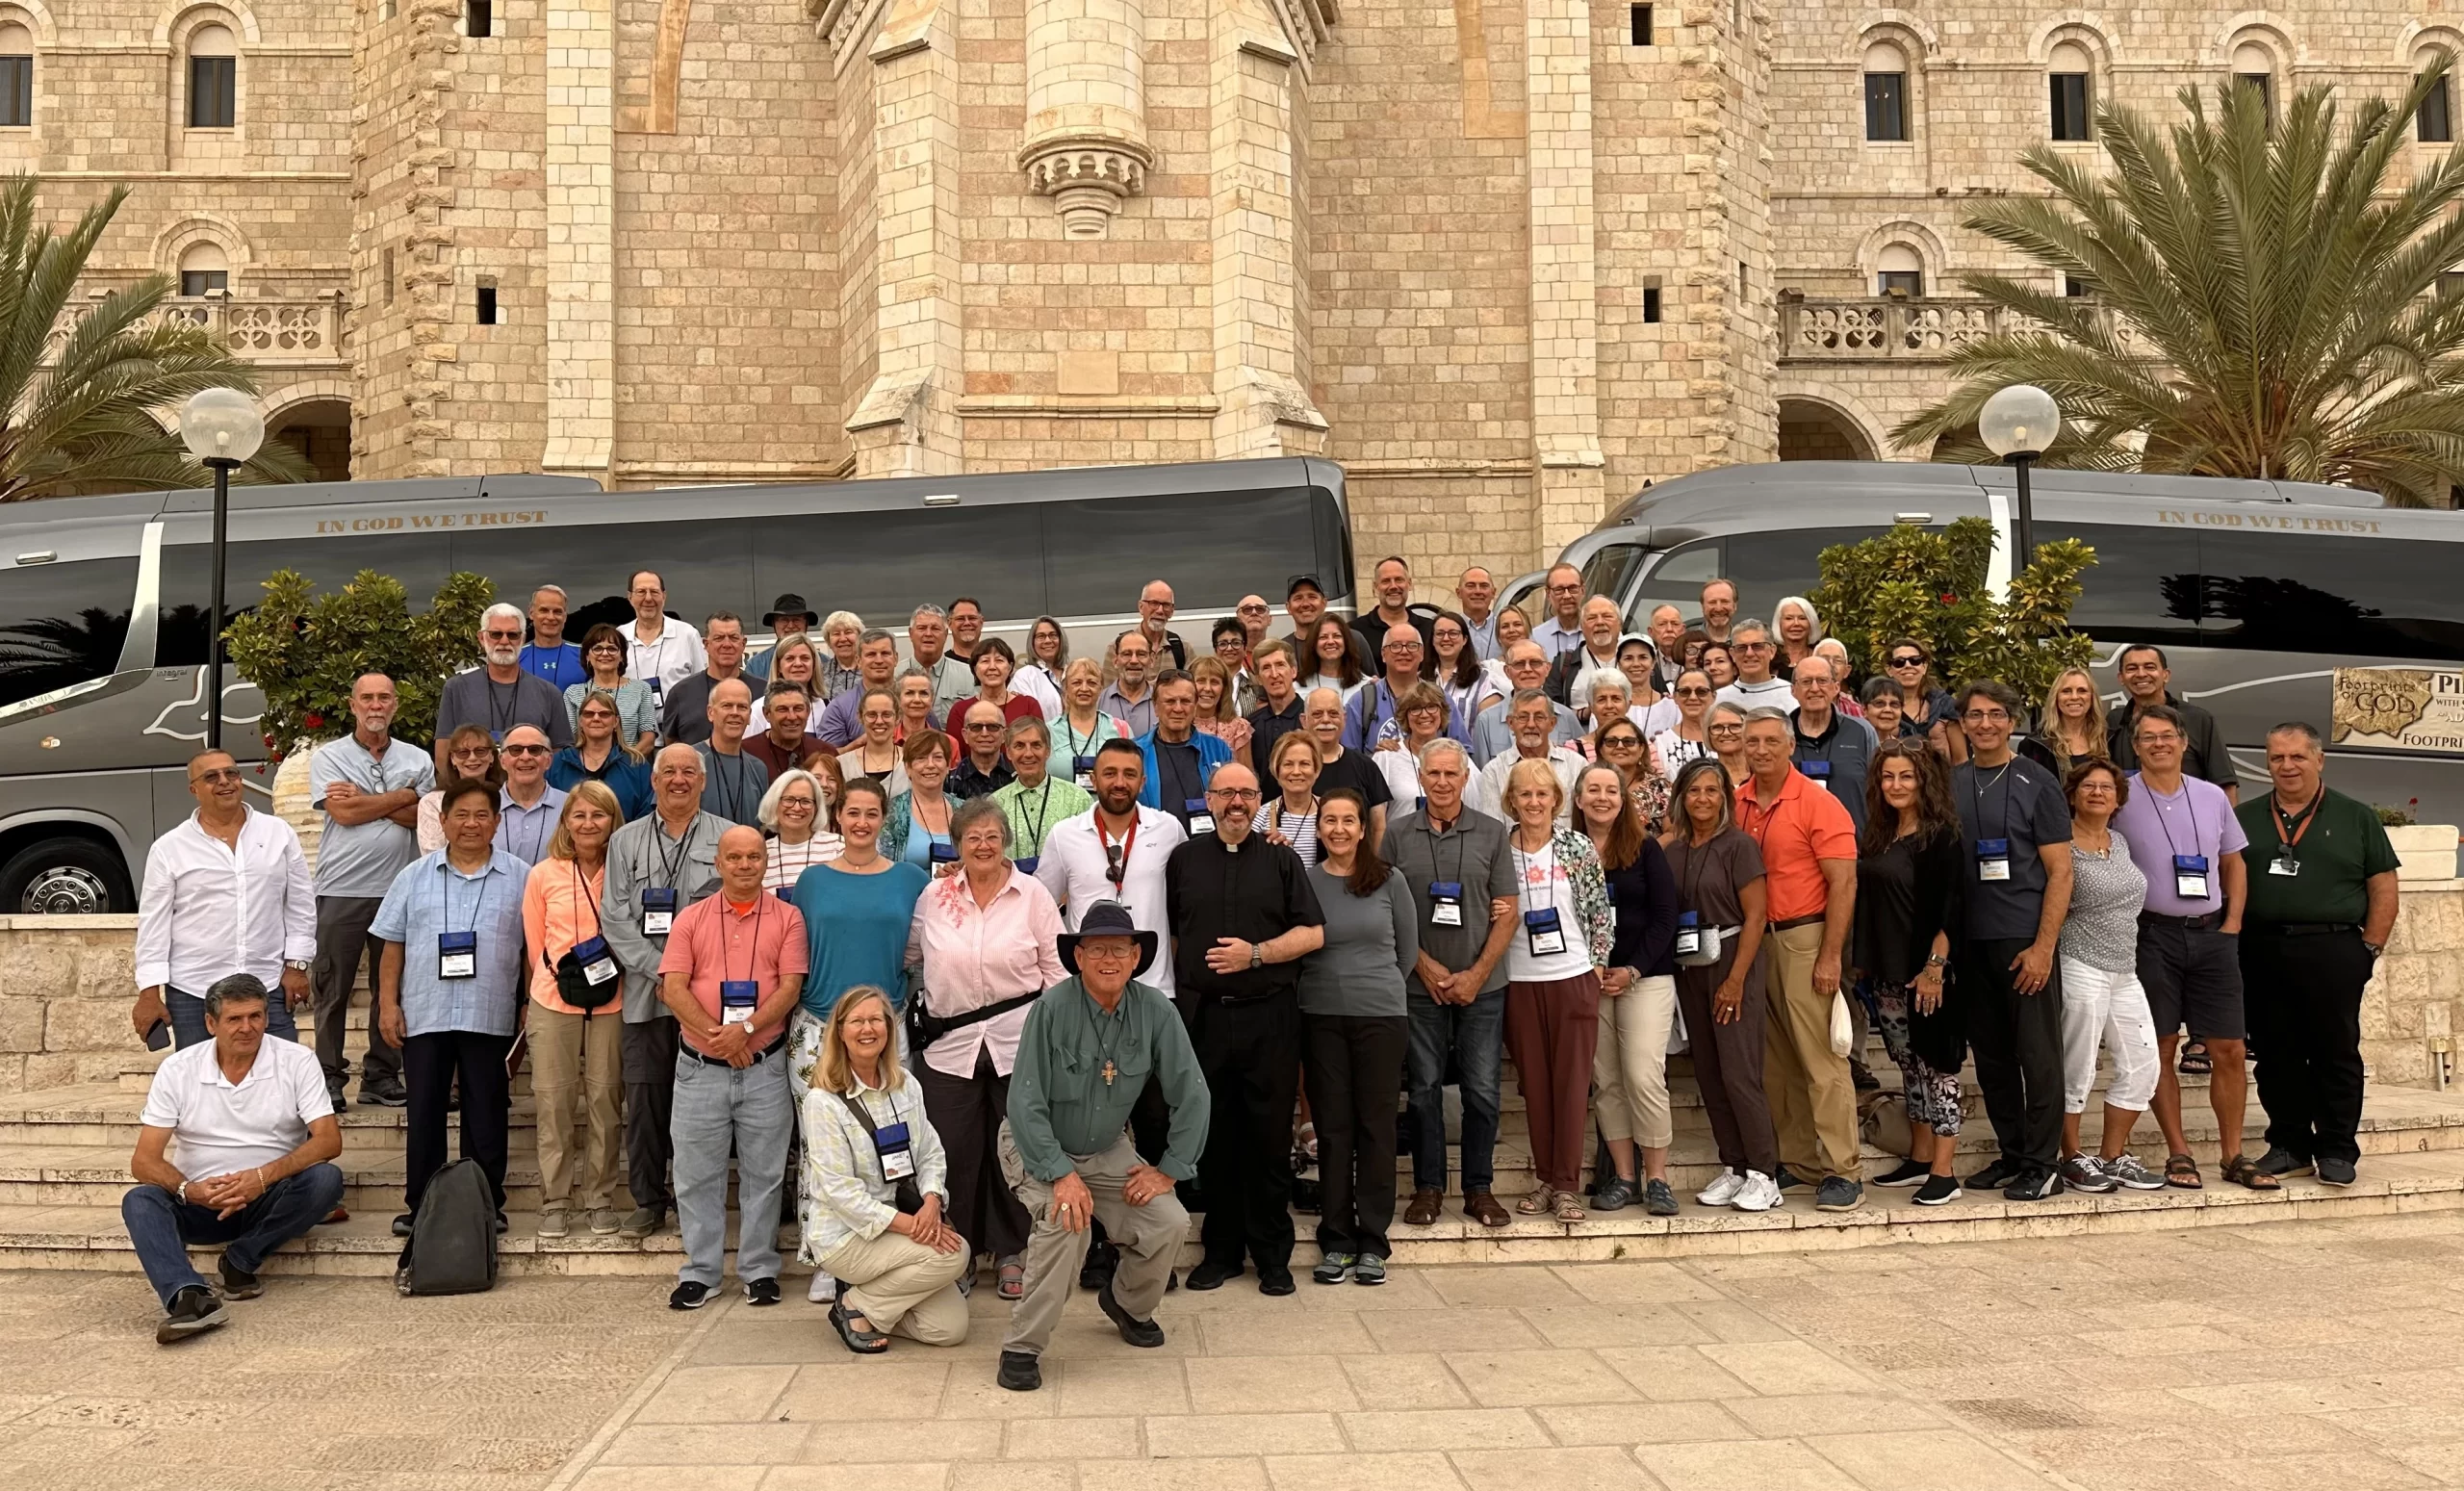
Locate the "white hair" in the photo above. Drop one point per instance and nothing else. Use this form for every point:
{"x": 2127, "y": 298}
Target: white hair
{"x": 1442, "y": 745}
{"x": 837, "y": 619}
{"x": 1813, "y": 618}
{"x": 501, "y": 612}
{"x": 768, "y": 811}
{"x": 1598, "y": 678}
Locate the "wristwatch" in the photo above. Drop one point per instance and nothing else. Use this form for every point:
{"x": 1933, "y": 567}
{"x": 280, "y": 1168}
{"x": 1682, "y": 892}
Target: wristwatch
{"x": 183, "y": 1192}
{"x": 2376, "y": 949}
{"x": 297, "y": 964}
{"x": 747, "y": 1025}
{"x": 1257, "y": 955}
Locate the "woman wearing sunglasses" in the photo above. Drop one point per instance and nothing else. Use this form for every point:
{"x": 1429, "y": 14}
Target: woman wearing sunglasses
{"x": 1689, "y": 738}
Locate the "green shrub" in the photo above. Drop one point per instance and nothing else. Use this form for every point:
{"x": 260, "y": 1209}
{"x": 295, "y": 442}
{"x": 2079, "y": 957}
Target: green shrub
{"x": 1916, "y": 582}
{"x": 305, "y": 650}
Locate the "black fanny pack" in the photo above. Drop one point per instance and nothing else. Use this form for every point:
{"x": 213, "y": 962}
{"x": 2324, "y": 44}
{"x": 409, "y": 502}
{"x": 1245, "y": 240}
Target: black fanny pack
{"x": 924, "y": 1027}
{"x": 587, "y": 975}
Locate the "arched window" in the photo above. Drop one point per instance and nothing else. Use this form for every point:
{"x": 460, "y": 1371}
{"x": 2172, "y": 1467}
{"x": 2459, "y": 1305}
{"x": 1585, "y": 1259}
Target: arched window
{"x": 1885, "y": 92}
{"x": 204, "y": 270}
{"x": 2068, "y": 72}
{"x": 213, "y": 78}
{"x": 1899, "y": 272}
{"x": 17, "y": 76}
{"x": 2254, "y": 67}
{"x": 2435, "y": 122}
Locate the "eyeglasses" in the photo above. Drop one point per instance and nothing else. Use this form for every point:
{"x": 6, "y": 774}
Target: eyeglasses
{"x": 1247, "y": 611}
{"x": 494, "y": 635}
{"x": 1692, "y": 693}
{"x": 1090, "y": 954}
{"x": 1727, "y": 730}
{"x": 1621, "y": 743}
{"x": 1402, "y": 647}
{"x": 1987, "y": 717}
{"x": 609, "y": 648}
{"x": 1234, "y": 794}
{"x": 1908, "y": 660}
{"x": 218, "y": 775}
{"x": 974, "y": 729}
{"x": 526, "y": 750}
{"x": 1750, "y": 647}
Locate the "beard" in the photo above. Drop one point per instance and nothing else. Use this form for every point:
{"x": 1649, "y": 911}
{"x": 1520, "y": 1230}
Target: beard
{"x": 1118, "y": 801}
{"x": 503, "y": 657}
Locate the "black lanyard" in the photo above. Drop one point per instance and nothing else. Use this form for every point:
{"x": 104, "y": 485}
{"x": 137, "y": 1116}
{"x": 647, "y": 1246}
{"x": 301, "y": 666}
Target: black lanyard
{"x": 669, "y": 867}
{"x": 499, "y": 723}
{"x": 582, "y": 882}
{"x": 2002, "y": 780}
{"x": 753, "y": 956}
{"x": 1524, "y": 859}
{"x": 445, "y": 892}
{"x": 1169, "y": 754}
{"x": 732, "y": 797}
{"x": 1436, "y": 839}
{"x": 2190, "y": 804}
{"x": 1044, "y": 806}
{"x": 539, "y": 839}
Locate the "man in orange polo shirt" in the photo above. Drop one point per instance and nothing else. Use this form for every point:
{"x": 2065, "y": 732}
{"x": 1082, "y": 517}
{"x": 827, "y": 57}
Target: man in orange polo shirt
{"x": 1809, "y": 863}
{"x": 734, "y": 964}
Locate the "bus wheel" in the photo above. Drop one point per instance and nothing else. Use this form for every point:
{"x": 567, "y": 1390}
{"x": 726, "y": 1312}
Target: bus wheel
{"x": 65, "y": 877}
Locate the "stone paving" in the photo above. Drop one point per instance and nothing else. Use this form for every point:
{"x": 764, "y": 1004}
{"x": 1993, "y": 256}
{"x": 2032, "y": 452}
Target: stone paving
{"x": 2311, "y": 1356}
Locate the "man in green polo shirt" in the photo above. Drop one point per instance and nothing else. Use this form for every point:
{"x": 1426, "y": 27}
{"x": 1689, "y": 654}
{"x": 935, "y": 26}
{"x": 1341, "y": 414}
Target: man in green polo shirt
{"x": 2322, "y": 902}
{"x": 1090, "y": 1045}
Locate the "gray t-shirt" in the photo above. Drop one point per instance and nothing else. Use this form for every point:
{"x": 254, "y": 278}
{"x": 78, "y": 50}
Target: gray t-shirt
{"x": 472, "y": 697}
{"x": 2019, "y": 801}
{"x": 361, "y": 861}
{"x": 1371, "y": 942}
{"x": 1471, "y": 853}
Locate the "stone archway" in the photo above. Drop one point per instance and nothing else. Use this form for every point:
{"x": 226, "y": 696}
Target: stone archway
{"x": 1815, "y": 432}
{"x": 319, "y": 429}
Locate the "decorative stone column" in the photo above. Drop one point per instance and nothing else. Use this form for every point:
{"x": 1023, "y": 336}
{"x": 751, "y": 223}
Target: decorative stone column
{"x": 1086, "y": 137}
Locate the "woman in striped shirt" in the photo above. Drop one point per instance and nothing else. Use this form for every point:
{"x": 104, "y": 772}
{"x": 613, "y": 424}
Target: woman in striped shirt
{"x": 800, "y": 818}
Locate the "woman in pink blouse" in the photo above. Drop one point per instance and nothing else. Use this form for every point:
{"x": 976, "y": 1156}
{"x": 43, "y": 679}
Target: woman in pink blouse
{"x": 987, "y": 939}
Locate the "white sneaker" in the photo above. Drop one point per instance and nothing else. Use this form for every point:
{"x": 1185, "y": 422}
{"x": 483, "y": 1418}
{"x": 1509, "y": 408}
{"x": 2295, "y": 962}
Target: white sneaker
{"x": 1721, "y": 1192}
{"x": 1759, "y": 1193}
{"x": 824, "y": 1288}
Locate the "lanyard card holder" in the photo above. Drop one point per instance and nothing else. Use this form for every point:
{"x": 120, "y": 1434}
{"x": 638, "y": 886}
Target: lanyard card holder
{"x": 737, "y": 999}
{"x": 457, "y": 954}
{"x": 1027, "y": 863}
{"x": 1994, "y": 859}
{"x": 2284, "y": 864}
{"x": 2189, "y": 876}
{"x": 1081, "y": 770}
{"x": 1201, "y": 822}
{"x": 1816, "y": 771}
{"x": 1445, "y": 903}
{"x": 1546, "y": 934}
{"x": 658, "y": 909}
{"x": 897, "y": 1153}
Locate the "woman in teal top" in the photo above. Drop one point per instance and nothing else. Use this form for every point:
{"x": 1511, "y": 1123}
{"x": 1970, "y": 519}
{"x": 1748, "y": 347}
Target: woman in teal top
{"x": 602, "y": 653}
{"x": 919, "y": 817}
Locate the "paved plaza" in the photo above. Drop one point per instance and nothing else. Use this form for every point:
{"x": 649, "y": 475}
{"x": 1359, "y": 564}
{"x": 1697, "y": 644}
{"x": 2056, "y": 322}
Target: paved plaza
{"x": 2319, "y": 1355}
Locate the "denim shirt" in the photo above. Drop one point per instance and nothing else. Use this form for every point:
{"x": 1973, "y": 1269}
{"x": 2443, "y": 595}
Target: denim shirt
{"x": 430, "y": 897}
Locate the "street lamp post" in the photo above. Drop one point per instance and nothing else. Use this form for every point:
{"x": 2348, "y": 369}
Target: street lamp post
{"x": 222, "y": 429}
{"x": 2019, "y": 424}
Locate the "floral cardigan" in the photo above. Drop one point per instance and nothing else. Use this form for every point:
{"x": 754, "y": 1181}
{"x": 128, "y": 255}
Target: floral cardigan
{"x": 1582, "y": 860}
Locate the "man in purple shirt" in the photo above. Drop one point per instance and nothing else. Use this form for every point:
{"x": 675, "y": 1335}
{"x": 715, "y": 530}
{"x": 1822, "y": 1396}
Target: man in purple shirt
{"x": 2186, "y": 840}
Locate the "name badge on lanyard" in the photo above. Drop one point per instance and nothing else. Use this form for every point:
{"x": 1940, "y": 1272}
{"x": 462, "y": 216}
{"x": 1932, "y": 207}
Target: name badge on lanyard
{"x": 1994, "y": 859}
{"x": 597, "y": 963}
{"x": 1200, "y": 820}
{"x": 1082, "y": 771}
{"x": 1817, "y": 772}
{"x": 738, "y": 998}
{"x": 658, "y": 909}
{"x": 2284, "y": 864}
{"x": 457, "y": 954}
{"x": 1543, "y": 931}
{"x": 897, "y": 1157}
{"x": 1445, "y": 903}
{"x": 1027, "y": 863}
{"x": 2189, "y": 876}
{"x": 1690, "y": 933}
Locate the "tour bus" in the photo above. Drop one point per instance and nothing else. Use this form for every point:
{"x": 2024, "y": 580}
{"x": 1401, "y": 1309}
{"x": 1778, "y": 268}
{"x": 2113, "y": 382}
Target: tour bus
{"x": 2257, "y": 591}
{"x": 104, "y": 601}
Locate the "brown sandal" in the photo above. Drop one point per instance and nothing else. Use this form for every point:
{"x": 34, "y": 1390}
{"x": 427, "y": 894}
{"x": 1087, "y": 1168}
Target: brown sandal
{"x": 1426, "y": 1205}
{"x": 2181, "y": 1172}
{"x": 1482, "y": 1207}
{"x": 1537, "y": 1202}
{"x": 1569, "y": 1206}
{"x": 2243, "y": 1170}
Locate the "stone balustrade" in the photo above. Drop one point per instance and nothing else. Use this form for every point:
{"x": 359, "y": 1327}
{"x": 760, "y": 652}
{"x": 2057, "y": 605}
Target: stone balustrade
{"x": 1893, "y": 327}
{"x": 296, "y": 332}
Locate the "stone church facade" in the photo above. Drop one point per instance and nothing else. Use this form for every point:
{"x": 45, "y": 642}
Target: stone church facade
{"x": 1506, "y": 260}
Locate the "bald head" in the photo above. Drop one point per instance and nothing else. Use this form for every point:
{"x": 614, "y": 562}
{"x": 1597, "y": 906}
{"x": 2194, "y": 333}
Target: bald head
{"x": 525, "y": 753}
{"x": 742, "y": 856}
{"x": 731, "y": 713}
{"x": 1231, "y": 797}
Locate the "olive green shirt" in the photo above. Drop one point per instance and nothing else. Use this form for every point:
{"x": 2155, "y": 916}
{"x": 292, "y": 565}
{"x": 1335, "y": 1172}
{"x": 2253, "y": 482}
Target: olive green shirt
{"x": 2343, "y": 844}
{"x": 1061, "y": 1105}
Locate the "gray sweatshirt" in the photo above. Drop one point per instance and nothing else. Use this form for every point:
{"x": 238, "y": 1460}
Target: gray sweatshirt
{"x": 1372, "y": 943}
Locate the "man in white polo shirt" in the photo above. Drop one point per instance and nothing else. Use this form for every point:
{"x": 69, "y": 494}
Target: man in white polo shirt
{"x": 236, "y": 1146}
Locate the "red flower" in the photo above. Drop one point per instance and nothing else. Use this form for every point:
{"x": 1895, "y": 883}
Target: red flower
{"x": 1950, "y": 600}
{"x": 314, "y": 720}
{"x": 268, "y": 740}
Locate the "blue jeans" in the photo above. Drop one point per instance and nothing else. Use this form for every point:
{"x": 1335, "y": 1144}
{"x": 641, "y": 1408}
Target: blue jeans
{"x": 718, "y": 1108}
{"x": 187, "y": 1018}
{"x": 162, "y": 1226}
{"x": 1475, "y": 1035}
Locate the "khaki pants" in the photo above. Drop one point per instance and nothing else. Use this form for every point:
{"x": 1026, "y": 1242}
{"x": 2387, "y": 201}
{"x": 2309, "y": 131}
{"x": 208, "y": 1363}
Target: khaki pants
{"x": 1149, "y": 1238}
{"x": 1813, "y": 1105}
{"x": 1629, "y": 1066}
{"x": 903, "y": 1287}
{"x": 571, "y": 1054}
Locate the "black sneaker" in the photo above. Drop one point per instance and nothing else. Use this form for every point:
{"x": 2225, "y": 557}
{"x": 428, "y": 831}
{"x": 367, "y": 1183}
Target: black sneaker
{"x": 2336, "y": 1172}
{"x": 762, "y": 1291}
{"x": 1274, "y": 1282}
{"x": 1020, "y": 1372}
{"x": 689, "y": 1296}
{"x": 1658, "y": 1200}
{"x": 384, "y": 1092}
{"x": 1211, "y": 1274}
{"x": 1135, "y": 1331}
{"x": 2033, "y": 1185}
{"x": 1102, "y": 1259}
{"x": 1907, "y": 1172}
{"x": 2004, "y": 1172}
{"x": 403, "y": 1226}
{"x": 238, "y": 1284}
{"x": 1938, "y": 1190}
{"x": 1838, "y": 1193}
{"x": 194, "y": 1311}
{"x": 1614, "y": 1195}
{"x": 1787, "y": 1181}
{"x": 2281, "y": 1162}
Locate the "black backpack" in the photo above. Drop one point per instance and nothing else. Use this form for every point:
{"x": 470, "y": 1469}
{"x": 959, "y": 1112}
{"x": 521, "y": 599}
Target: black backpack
{"x": 452, "y": 1249}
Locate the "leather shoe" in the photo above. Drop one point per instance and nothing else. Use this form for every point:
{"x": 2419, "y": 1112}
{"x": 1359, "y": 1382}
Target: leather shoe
{"x": 1211, "y": 1274}
{"x": 1135, "y": 1331}
{"x": 1274, "y": 1282}
{"x": 1483, "y": 1208}
{"x": 1426, "y": 1205}
{"x": 1020, "y": 1372}
{"x": 1102, "y": 1260}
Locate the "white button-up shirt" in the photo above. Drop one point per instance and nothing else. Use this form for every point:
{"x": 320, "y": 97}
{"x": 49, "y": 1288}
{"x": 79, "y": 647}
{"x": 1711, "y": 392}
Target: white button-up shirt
{"x": 677, "y": 656}
{"x": 975, "y": 955}
{"x": 1073, "y": 869}
{"x": 218, "y": 1128}
{"x": 210, "y": 911}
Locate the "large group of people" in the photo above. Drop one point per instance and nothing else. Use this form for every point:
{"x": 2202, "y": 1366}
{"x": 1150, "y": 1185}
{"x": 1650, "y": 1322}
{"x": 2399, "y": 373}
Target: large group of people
{"x": 1006, "y": 956}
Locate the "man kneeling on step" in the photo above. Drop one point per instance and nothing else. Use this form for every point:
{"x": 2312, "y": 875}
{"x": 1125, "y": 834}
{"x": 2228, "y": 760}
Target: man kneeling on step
{"x": 1090, "y": 1045}
{"x": 236, "y": 1146}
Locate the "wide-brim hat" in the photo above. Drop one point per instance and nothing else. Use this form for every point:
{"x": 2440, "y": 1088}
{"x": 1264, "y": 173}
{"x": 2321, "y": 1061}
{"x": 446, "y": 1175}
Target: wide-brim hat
{"x": 791, "y": 605}
{"x": 1108, "y": 919}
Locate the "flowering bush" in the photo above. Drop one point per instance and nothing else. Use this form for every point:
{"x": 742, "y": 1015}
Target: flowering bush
{"x": 304, "y": 652}
{"x": 1915, "y": 581}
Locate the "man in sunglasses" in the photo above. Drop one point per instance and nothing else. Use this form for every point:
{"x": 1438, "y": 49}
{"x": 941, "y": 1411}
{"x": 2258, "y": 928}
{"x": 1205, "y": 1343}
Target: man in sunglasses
{"x": 227, "y": 892}
{"x": 528, "y": 819}
{"x": 501, "y": 694}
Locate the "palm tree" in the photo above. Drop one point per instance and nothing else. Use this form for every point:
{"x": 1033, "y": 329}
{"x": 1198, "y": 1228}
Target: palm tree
{"x": 2266, "y": 300}
{"x": 95, "y": 420}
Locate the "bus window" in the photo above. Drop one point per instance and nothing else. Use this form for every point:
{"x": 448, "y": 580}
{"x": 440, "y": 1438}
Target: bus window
{"x": 63, "y": 624}
{"x": 1611, "y": 570}
{"x": 704, "y": 564}
{"x": 2144, "y": 587}
{"x": 884, "y": 563}
{"x": 1676, "y": 580}
{"x": 418, "y": 560}
{"x": 2348, "y": 597}
{"x": 1222, "y": 547}
{"x": 1767, "y": 566}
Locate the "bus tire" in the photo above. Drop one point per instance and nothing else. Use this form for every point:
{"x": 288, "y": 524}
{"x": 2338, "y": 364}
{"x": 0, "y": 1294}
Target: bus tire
{"x": 66, "y": 875}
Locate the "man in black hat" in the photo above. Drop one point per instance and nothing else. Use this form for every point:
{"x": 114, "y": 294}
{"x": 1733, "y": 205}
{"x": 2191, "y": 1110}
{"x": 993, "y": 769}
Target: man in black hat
{"x": 1090, "y": 1045}
{"x": 1305, "y": 603}
{"x": 789, "y": 618}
